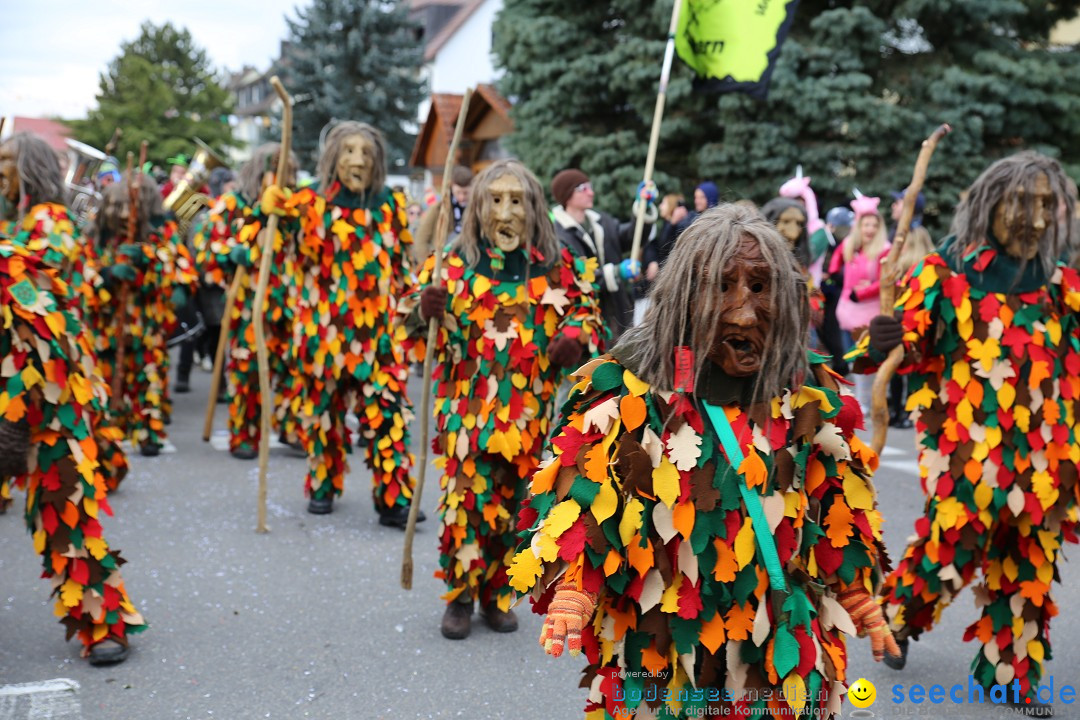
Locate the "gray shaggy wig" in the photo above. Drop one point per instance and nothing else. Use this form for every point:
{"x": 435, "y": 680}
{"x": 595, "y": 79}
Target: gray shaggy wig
{"x": 263, "y": 160}
{"x": 327, "y": 167}
{"x": 111, "y": 221}
{"x": 687, "y": 296}
{"x": 539, "y": 231}
{"x": 975, "y": 214}
{"x": 40, "y": 179}
{"x": 772, "y": 211}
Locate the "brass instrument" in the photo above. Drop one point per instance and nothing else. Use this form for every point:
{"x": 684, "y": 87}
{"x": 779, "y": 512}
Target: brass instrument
{"x": 83, "y": 199}
{"x": 185, "y": 201}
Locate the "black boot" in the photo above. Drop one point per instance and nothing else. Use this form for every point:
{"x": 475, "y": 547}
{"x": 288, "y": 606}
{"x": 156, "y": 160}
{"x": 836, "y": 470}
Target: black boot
{"x": 321, "y": 506}
{"x": 150, "y": 449}
{"x": 244, "y": 452}
{"x": 898, "y": 663}
{"x": 107, "y": 652}
{"x": 457, "y": 620}
{"x": 499, "y": 621}
{"x": 183, "y": 384}
{"x": 398, "y": 516}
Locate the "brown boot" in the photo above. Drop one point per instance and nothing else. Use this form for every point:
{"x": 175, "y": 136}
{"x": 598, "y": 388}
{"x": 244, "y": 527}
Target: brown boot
{"x": 499, "y": 621}
{"x": 457, "y": 620}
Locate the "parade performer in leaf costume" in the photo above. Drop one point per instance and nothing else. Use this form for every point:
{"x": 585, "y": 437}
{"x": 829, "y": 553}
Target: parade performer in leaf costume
{"x": 351, "y": 267}
{"x": 517, "y": 311}
{"x": 33, "y": 202}
{"x": 32, "y": 188}
{"x": 990, "y": 328}
{"x": 51, "y": 399}
{"x": 706, "y": 532}
{"x": 229, "y": 238}
{"x": 160, "y": 275}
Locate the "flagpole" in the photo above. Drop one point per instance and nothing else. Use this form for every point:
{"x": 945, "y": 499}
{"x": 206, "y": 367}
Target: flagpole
{"x": 658, "y": 115}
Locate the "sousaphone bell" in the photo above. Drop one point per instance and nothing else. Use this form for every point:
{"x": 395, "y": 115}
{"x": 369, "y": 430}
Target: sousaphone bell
{"x": 185, "y": 201}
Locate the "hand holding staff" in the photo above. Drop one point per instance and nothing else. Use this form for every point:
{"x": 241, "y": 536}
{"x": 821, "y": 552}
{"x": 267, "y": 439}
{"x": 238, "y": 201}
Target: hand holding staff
{"x": 267, "y": 249}
{"x": 442, "y": 229}
{"x": 890, "y": 275}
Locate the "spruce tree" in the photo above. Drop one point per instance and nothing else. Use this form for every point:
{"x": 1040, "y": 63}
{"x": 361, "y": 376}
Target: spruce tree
{"x": 161, "y": 88}
{"x": 857, "y": 87}
{"x": 354, "y": 60}
{"x": 582, "y": 78}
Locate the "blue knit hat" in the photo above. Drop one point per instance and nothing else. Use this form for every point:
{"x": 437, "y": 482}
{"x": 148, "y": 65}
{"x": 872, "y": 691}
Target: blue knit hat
{"x": 712, "y": 194}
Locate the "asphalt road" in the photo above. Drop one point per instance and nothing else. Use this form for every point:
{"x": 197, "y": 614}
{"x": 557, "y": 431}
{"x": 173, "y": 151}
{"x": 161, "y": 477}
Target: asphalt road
{"x": 310, "y": 620}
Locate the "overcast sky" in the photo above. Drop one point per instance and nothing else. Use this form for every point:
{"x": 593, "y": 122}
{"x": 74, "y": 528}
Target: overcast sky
{"x": 52, "y": 52}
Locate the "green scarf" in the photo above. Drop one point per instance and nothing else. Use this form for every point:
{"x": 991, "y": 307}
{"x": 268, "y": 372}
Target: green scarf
{"x": 999, "y": 273}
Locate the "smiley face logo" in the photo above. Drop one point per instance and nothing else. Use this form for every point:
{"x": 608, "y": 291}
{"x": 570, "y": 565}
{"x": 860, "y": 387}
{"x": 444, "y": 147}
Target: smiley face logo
{"x": 862, "y": 693}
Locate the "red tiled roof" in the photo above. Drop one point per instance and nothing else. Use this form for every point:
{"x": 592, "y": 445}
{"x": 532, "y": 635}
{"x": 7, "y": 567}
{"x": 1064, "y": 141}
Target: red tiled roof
{"x": 50, "y": 131}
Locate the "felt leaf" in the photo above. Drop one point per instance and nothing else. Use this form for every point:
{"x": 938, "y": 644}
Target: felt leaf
{"x": 795, "y": 692}
{"x": 651, "y": 590}
{"x": 636, "y": 387}
{"x": 773, "y": 505}
{"x": 856, "y": 492}
{"x": 832, "y": 442}
{"x": 684, "y": 448}
{"x": 762, "y": 626}
{"x": 71, "y": 593}
{"x": 737, "y": 670}
{"x": 713, "y": 633}
{"x": 664, "y": 522}
{"x": 561, "y": 517}
{"x": 753, "y": 469}
{"x": 640, "y": 558}
{"x": 607, "y": 377}
{"x": 556, "y": 298}
{"x": 688, "y": 562}
{"x": 682, "y": 517}
{"x": 833, "y": 615}
{"x": 740, "y": 621}
{"x": 524, "y": 570}
{"x": 653, "y": 445}
{"x": 630, "y": 522}
{"x": 605, "y": 502}
{"x": 985, "y": 351}
{"x": 785, "y": 651}
{"x": 666, "y": 482}
{"x": 633, "y": 411}
{"x": 744, "y": 543}
{"x": 726, "y": 565}
{"x": 601, "y": 416}
{"x": 839, "y": 522}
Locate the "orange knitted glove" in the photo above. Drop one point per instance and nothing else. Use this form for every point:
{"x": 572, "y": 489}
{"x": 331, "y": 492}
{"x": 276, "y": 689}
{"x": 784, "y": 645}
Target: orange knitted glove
{"x": 869, "y": 620}
{"x": 567, "y": 614}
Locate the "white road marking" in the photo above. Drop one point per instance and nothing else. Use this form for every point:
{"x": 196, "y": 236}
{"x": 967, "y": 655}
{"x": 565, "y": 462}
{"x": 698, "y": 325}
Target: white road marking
{"x": 47, "y": 700}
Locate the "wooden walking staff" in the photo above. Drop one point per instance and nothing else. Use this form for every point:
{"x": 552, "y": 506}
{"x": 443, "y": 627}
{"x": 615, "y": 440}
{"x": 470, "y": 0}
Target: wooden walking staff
{"x": 442, "y": 229}
{"x": 258, "y": 317}
{"x": 654, "y": 138}
{"x": 134, "y": 181}
{"x": 890, "y": 275}
{"x": 239, "y": 278}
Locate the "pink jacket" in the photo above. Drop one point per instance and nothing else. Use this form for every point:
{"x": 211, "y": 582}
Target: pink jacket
{"x": 850, "y": 314}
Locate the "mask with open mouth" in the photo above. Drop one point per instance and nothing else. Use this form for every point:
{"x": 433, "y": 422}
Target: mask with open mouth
{"x": 503, "y": 222}
{"x": 745, "y": 314}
